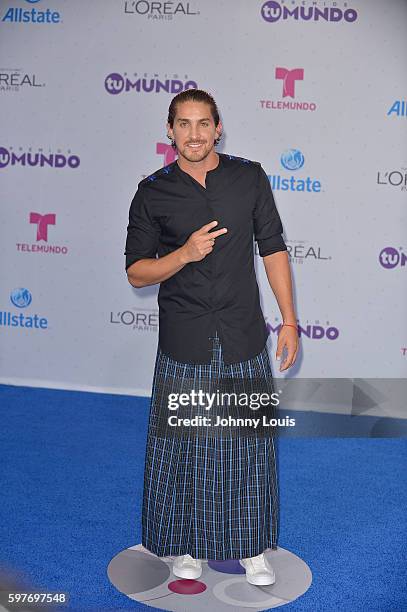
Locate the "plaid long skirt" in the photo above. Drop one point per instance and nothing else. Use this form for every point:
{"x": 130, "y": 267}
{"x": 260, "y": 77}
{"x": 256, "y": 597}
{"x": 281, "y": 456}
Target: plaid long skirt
{"x": 210, "y": 496}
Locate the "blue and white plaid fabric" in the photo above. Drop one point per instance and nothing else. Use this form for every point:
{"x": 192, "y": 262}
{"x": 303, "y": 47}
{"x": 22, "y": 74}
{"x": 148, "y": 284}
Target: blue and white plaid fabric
{"x": 211, "y": 497}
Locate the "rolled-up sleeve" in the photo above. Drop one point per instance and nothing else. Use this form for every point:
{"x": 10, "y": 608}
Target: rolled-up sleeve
{"x": 143, "y": 231}
{"x": 268, "y": 228}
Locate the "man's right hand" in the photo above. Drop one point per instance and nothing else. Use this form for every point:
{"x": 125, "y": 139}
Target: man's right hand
{"x": 201, "y": 242}
{"x": 150, "y": 270}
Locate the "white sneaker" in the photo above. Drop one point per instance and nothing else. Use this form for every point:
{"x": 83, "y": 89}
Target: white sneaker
{"x": 258, "y": 570}
{"x": 186, "y": 566}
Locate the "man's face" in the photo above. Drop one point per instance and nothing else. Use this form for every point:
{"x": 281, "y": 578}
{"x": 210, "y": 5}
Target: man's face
{"x": 194, "y": 130}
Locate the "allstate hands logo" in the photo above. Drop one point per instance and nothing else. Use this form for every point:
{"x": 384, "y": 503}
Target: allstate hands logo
{"x": 21, "y": 297}
{"x": 292, "y": 159}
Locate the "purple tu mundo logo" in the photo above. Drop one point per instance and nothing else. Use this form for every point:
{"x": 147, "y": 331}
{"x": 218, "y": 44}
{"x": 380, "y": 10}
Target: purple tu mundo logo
{"x": 390, "y": 258}
{"x": 272, "y": 11}
{"x": 313, "y": 331}
{"x": 116, "y": 83}
{"x": 9, "y": 157}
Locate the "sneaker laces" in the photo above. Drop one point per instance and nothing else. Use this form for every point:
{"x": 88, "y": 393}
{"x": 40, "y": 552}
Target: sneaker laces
{"x": 259, "y": 563}
{"x": 191, "y": 559}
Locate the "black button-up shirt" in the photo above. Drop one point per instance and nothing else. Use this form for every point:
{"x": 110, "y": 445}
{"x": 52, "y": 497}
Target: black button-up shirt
{"x": 220, "y": 292}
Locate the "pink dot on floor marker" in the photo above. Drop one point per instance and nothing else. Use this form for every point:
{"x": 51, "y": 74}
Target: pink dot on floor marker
{"x": 187, "y": 587}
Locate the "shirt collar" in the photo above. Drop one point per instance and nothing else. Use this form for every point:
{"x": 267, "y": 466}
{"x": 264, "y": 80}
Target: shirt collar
{"x": 211, "y": 173}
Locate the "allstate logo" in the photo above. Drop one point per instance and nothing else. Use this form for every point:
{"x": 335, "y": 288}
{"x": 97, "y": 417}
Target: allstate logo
{"x": 32, "y": 15}
{"x": 271, "y": 11}
{"x": 20, "y": 297}
{"x": 292, "y": 159}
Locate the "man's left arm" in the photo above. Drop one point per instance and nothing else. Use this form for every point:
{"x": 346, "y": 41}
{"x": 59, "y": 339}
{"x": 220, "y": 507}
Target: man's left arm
{"x": 268, "y": 232}
{"x": 278, "y": 272}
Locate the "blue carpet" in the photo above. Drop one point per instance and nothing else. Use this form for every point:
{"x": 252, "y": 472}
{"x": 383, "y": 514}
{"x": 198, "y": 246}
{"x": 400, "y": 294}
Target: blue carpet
{"x": 72, "y": 476}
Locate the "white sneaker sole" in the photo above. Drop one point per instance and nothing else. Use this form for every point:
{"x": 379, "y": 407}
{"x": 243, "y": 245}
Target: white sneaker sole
{"x": 259, "y": 581}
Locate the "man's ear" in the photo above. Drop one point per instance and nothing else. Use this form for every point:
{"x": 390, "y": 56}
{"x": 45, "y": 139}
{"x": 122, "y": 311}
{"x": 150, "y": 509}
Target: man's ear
{"x": 170, "y": 133}
{"x": 219, "y": 129}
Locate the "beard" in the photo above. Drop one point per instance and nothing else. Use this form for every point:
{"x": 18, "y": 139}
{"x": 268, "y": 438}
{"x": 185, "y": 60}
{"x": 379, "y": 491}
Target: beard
{"x": 195, "y": 155}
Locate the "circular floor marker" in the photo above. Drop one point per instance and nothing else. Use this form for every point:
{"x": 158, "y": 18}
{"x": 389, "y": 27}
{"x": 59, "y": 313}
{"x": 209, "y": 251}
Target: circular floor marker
{"x": 144, "y": 577}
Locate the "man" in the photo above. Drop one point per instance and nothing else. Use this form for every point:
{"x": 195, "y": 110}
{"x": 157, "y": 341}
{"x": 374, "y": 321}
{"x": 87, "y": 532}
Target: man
{"x": 209, "y": 495}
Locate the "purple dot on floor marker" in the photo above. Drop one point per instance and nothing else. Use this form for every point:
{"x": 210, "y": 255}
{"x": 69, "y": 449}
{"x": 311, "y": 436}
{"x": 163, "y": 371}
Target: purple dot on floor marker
{"x": 187, "y": 587}
{"x": 229, "y": 566}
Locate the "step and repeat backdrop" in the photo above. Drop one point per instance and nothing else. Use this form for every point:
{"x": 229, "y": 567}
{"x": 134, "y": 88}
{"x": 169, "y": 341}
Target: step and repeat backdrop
{"x": 314, "y": 90}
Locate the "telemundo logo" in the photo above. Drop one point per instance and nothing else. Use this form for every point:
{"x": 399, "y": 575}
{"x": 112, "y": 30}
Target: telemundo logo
{"x": 22, "y": 298}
